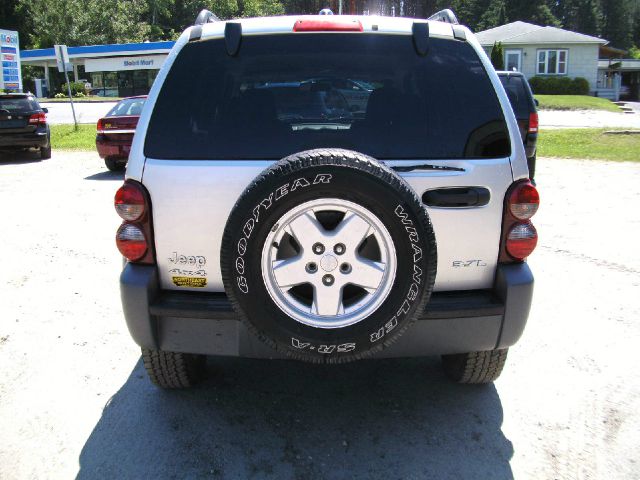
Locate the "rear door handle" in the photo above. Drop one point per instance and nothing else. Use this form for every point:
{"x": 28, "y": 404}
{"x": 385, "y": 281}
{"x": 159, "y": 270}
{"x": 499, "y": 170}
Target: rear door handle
{"x": 456, "y": 197}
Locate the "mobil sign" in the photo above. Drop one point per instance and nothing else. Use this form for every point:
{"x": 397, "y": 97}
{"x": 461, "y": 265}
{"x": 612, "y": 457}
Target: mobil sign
{"x": 10, "y": 76}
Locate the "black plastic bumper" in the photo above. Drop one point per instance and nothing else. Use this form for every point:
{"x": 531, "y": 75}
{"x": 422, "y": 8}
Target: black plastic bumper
{"x": 35, "y": 139}
{"x": 453, "y": 322}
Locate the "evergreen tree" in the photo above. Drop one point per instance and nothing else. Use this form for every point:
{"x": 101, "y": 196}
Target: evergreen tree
{"x": 538, "y": 12}
{"x": 617, "y": 22}
{"x": 497, "y": 56}
{"x": 494, "y": 14}
{"x": 579, "y": 15}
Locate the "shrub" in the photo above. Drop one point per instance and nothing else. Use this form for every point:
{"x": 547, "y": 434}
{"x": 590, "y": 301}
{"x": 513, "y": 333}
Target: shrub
{"x": 497, "y": 56}
{"x": 60, "y": 95}
{"x": 559, "y": 85}
{"x": 76, "y": 87}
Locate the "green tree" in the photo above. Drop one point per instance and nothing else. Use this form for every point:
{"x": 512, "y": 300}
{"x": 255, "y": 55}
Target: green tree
{"x": 497, "y": 56}
{"x": 74, "y": 22}
{"x": 493, "y": 15}
{"x": 538, "y": 12}
{"x": 617, "y": 22}
{"x": 579, "y": 15}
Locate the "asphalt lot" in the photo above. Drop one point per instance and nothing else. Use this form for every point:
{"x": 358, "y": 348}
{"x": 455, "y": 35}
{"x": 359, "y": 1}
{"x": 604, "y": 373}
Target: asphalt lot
{"x": 85, "y": 112}
{"x": 75, "y": 402}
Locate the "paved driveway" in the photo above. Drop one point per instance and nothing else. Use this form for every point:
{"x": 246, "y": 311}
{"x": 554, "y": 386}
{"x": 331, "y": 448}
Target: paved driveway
{"x": 75, "y": 401}
{"x": 587, "y": 119}
{"x": 85, "y": 112}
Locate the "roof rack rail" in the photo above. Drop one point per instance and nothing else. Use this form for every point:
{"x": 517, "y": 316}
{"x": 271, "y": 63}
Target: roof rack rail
{"x": 446, "y": 16}
{"x": 205, "y": 16}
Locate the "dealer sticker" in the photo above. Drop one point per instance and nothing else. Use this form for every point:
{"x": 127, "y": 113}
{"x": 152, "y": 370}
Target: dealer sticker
{"x": 193, "y": 282}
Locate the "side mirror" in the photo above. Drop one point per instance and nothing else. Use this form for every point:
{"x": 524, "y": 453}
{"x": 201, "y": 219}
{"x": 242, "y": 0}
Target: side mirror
{"x": 535, "y": 100}
{"x": 45, "y": 110}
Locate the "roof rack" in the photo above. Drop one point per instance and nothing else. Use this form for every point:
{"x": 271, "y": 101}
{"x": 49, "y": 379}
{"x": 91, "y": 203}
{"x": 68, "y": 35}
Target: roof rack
{"x": 446, "y": 16}
{"x": 205, "y": 16}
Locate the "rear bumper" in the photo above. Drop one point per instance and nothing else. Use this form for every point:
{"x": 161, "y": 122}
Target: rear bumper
{"x": 35, "y": 139}
{"x": 109, "y": 147}
{"x": 453, "y": 322}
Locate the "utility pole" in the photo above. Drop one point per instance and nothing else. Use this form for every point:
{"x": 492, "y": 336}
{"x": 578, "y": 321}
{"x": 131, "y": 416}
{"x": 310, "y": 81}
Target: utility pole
{"x": 64, "y": 65}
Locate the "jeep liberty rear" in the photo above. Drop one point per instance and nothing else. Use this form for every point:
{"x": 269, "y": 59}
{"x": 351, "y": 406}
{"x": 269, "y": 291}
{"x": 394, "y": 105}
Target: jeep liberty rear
{"x": 333, "y": 183}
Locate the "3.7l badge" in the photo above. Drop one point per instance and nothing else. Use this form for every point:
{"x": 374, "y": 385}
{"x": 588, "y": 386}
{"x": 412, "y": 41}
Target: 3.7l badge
{"x": 468, "y": 263}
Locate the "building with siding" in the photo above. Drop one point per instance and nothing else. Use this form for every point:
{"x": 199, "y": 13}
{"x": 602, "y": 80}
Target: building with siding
{"x": 545, "y": 51}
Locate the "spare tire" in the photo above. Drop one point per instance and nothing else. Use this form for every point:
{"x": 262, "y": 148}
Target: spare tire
{"x": 328, "y": 256}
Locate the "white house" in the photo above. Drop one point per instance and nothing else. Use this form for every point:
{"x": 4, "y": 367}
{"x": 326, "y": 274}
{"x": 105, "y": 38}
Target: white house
{"x": 535, "y": 50}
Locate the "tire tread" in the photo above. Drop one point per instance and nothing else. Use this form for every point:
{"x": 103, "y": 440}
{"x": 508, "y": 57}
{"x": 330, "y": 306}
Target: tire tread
{"x": 475, "y": 367}
{"x": 172, "y": 369}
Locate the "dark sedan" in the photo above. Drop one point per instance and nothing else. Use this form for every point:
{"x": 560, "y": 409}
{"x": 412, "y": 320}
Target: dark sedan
{"x": 23, "y": 124}
{"x": 115, "y": 132}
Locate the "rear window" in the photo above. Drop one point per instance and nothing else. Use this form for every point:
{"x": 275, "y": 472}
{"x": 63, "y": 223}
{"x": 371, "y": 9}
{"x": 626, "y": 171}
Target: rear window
{"x": 129, "y": 106}
{"x": 367, "y": 92}
{"x": 518, "y": 94}
{"x": 24, "y": 104}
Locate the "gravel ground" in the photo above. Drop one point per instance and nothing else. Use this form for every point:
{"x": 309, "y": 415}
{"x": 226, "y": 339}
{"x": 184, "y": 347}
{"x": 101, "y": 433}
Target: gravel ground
{"x": 75, "y": 402}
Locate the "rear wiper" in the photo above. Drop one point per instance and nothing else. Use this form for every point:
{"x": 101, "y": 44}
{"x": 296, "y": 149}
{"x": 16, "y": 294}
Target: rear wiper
{"x": 425, "y": 166}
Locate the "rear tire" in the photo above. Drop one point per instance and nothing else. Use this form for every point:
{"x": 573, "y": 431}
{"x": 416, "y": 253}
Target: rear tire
{"x": 475, "y": 367}
{"x": 115, "y": 165}
{"x": 172, "y": 369}
{"x": 45, "y": 152}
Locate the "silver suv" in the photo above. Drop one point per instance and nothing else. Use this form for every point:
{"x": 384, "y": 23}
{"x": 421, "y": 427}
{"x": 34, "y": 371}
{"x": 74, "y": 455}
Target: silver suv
{"x": 326, "y": 189}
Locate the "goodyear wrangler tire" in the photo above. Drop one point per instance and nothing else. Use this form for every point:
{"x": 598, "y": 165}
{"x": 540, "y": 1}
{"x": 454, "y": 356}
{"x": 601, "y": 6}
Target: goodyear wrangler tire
{"x": 328, "y": 256}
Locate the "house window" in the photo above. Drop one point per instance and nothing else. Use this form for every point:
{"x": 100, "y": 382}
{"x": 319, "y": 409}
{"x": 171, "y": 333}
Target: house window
{"x": 552, "y": 62}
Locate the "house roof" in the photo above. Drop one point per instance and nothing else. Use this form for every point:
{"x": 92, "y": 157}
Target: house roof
{"x": 528, "y": 33}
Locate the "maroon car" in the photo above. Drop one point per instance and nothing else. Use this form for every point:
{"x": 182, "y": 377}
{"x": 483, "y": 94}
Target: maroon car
{"x": 115, "y": 132}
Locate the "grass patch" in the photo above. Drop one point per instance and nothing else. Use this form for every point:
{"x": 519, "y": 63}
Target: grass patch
{"x": 575, "y": 102}
{"x": 589, "y": 143}
{"x": 64, "y": 137}
{"x": 94, "y": 98}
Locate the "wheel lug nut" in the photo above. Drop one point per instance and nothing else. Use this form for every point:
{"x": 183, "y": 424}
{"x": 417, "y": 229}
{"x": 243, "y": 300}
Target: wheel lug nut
{"x": 339, "y": 248}
{"x": 311, "y": 267}
{"x": 318, "y": 248}
{"x": 345, "y": 268}
{"x": 328, "y": 280}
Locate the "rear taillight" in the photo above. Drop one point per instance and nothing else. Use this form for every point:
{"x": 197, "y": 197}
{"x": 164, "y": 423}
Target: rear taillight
{"x": 524, "y": 201}
{"x": 131, "y": 242}
{"x": 38, "y": 119}
{"x": 519, "y": 236}
{"x": 134, "y": 238}
{"x": 533, "y": 122}
{"x": 329, "y": 25}
{"x": 130, "y": 202}
{"x": 521, "y": 240}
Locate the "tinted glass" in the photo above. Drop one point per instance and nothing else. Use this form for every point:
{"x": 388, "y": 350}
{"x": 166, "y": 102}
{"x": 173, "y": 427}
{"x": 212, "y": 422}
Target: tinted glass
{"x": 19, "y": 104}
{"x": 518, "y": 94}
{"x": 367, "y": 92}
{"x": 130, "y": 106}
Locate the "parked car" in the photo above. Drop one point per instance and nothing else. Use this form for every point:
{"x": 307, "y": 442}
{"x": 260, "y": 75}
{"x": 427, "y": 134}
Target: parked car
{"x": 23, "y": 124}
{"x": 252, "y": 231}
{"x": 524, "y": 107}
{"x": 115, "y": 132}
